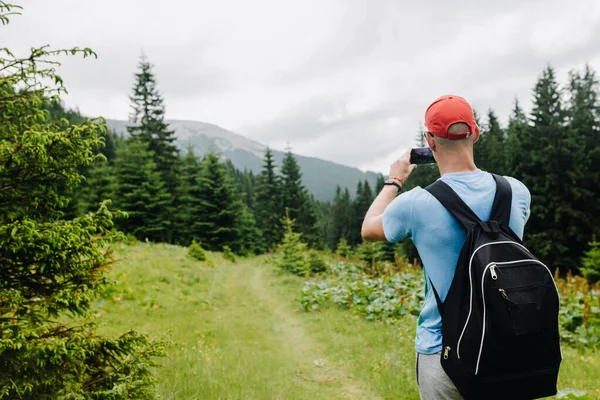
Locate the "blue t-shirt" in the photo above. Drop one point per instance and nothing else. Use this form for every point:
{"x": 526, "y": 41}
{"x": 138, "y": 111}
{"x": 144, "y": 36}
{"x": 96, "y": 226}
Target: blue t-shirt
{"x": 439, "y": 237}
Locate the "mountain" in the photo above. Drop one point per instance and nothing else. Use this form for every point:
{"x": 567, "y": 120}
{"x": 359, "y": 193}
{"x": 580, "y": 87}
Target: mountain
{"x": 319, "y": 176}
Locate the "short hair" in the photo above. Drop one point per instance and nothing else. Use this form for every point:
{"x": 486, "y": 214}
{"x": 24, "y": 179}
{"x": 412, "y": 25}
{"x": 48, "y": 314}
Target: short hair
{"x": 456, "y": 129}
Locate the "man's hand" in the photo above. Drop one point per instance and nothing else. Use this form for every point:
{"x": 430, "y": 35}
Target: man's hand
{"x": 401, "y": 168}
{"x": 372, "y": 228}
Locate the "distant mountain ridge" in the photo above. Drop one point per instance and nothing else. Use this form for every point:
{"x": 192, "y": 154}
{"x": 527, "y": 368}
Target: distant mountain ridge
{"x": 319, "y": 176}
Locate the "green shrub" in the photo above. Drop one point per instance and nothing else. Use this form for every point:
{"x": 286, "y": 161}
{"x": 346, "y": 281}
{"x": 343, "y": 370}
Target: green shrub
{"x": 343, "y": 249}
{"x": 291, "y": 251}
{"x": 316, "y": 263}
{"x": 371, "y": 254}
{"x": 52, "y": 266}
{"x": 196, "y": 251}
{"x": 591, "y": 263}
{"x": 130, "y": 239}
{"x": 228, "y": 254}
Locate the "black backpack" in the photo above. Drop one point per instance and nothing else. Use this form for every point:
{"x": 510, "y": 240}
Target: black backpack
{"x": 500, "y": 317}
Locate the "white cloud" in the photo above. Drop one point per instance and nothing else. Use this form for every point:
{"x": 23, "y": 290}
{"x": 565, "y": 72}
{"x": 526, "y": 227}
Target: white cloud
{"x": 341, "y": 80}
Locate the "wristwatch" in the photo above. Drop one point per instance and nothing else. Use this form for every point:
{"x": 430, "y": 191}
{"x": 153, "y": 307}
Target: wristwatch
{"x": 393, "y": 182}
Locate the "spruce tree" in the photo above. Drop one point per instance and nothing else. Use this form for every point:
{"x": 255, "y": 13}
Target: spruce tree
{"x": 584, "y": 124}
{"x": 141, "y": 193}
{"x": 250, "y": 236}
{"x": 517, "y": 131}
{"x": 267, "y": 206}
{"x": 342, "y": 212}
{"x": 99, "y": 185}
{"x": 379, "y": 185}
{"x": 52, "y": 266}
{"x": 489, "y": 150}
{"x": 551, "y": 160}
{"x": 191, "y": 202}
{"x": 364, "y": 198}
{"x": 295, "y": 199}
{"x": 147, "y": 122}
{"x": 217, "y": 223}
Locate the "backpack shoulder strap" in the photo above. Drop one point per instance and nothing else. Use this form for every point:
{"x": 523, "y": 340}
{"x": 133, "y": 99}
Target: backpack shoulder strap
{"x": 502, "y": 201}
{"x": 453, "y": 203}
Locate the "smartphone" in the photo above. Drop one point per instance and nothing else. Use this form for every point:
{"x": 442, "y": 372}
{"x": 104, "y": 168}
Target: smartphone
{"x": 421, "y": 155}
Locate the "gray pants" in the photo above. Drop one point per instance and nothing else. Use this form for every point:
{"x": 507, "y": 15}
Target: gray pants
{"x": 433, "y": 382}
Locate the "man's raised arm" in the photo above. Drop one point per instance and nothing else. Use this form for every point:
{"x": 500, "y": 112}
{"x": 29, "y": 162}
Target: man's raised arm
{"x": 372, "y": 227}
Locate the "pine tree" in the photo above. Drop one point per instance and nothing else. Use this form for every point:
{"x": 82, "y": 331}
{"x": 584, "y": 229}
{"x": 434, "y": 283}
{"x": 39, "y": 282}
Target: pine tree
{"x": 190, "y": 201}
{"x": 99, "y": 185}
{"x": 141, "y": 193}
{"x": 380, "y": 183}
{"x": 364, "y": 198}
{"x": 295, "y": 199}
{"x": 250, "y": 235}
{"x": 584, "y": 124}
{"x": 291, "y": 250}
{"x": 342, "y": 212}
{"x": 147, "y": 120}
{"x": 267, "y": 205}
{"x": 551, "y": 160}
{"x": 489, "y": 150}
{"x": 517, "y": 130}
{"x": 51, "y": 266}
{"x": 217, "y": 223}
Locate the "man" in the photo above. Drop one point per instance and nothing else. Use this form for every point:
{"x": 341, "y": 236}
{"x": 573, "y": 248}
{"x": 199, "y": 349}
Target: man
{"x": 437, "y": 235}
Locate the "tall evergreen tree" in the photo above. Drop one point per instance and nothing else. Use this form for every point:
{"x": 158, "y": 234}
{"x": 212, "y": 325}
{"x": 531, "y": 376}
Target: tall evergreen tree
{"x": 546, "y": 149}
{"x": 364, "y": 198}
{"x": 191, "y": 202}
{"x": 267, "y": 205}
{"x": 342, "y": 216}
{"x": 217, "y": 224}
{"x": 99, "y": 185}
{"x": 516, "y": 132}
{"x": 295, "y": 199}
{"x": 489, "y": 150}
{"x": 147, "y": 123}
{"x": 380, "y": 183}
{"x": 141, "y": 193}
{"x": 147, "y": 120}
{"x": 584, "y": 124}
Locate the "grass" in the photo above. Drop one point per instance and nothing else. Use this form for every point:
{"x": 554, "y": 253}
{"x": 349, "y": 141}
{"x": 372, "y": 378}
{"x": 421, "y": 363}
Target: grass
{"x": 240, "y": 335}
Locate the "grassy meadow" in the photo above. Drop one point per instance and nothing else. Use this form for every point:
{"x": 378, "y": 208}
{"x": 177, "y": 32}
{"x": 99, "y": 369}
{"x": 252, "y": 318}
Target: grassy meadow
{"x": 239, "y": 333}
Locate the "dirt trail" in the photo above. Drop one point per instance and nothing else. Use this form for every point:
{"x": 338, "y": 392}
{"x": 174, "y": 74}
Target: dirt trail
{"x": 291, "y": 329}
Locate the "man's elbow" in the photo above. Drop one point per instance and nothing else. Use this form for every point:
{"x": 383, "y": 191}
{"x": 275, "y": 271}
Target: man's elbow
{"x": 368, "y": 233}
{"x": 365, "y": 234}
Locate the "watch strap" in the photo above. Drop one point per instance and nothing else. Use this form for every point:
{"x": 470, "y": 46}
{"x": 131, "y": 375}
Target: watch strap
{"x": 393, "y": 182}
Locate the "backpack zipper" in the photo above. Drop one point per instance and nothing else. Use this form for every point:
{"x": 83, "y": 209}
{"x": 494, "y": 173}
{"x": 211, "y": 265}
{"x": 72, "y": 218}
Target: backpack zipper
{"x": 471, "y": 288}
{"x": 471, "y": 285}
{"x": 496, "y": 265}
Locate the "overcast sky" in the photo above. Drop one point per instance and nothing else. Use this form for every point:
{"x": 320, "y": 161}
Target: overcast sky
{"x": 347, "y": 81}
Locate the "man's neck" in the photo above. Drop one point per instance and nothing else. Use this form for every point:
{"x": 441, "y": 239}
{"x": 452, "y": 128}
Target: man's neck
{"x": 457, "y": 164}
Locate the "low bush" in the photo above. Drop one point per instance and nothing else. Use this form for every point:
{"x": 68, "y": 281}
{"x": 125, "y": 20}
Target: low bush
{"x": 196, "y": 251}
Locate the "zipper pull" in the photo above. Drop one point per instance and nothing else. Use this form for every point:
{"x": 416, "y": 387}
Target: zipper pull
{"x": 505, "y": 295}
{"x": 446, "y": 351}
{"x": 493, "y": 272}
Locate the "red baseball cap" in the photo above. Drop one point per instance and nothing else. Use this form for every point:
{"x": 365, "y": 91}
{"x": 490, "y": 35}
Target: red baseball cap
{"x": 448, "y": 110}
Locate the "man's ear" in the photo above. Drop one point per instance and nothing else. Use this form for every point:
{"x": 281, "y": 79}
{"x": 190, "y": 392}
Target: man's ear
{"x": 476, "y": 134}
{"x": 430, "y": 141}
